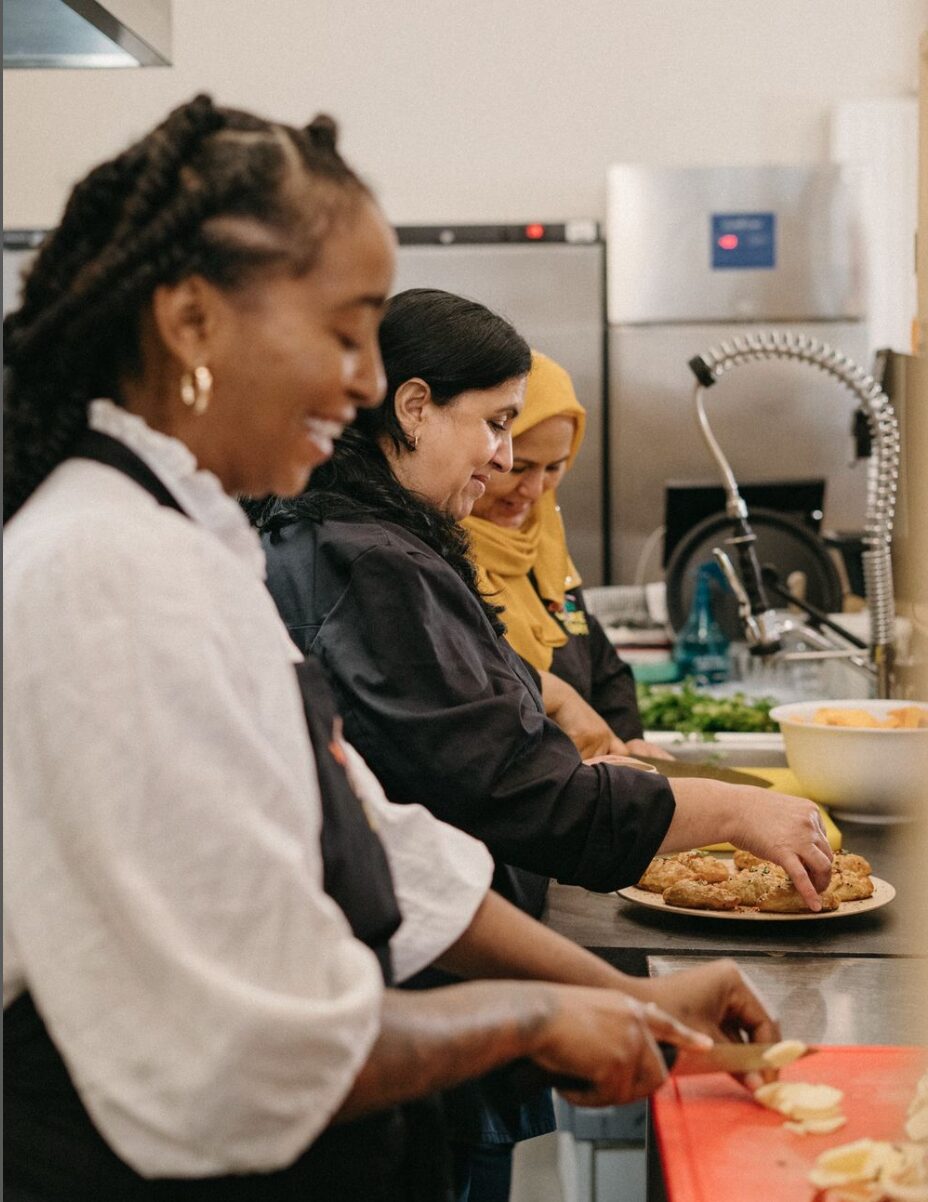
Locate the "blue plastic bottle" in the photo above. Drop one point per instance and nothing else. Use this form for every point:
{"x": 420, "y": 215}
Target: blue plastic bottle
{"x": 701, "y": 649}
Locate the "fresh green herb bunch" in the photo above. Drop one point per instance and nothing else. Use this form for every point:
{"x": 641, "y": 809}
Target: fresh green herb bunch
{"x": 687, "y": 709}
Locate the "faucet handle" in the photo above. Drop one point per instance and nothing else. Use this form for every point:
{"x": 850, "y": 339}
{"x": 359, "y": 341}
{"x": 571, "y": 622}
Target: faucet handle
{"x": 734, "y": 583}
{"x": 761, "y": 629}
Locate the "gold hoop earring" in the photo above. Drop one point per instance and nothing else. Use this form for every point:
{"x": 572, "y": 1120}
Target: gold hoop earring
{"x": 415, "y": 442}
{"x": 196, "y": 389}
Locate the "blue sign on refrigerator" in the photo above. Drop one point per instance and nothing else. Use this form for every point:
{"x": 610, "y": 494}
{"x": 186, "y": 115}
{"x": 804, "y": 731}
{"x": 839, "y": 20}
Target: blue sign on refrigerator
{"x": 743, "y": 240}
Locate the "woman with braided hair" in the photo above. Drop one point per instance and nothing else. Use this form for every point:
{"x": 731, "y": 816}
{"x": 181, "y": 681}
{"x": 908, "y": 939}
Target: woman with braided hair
{"x": 208, "y": 897}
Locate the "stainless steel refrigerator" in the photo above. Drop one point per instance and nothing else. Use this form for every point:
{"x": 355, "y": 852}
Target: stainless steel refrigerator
{"x": 695, "y": 257}
{"x": 549, "y": 281}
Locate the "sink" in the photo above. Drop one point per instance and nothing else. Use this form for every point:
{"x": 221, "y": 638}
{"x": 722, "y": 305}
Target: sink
{"x": 781, "y": 682}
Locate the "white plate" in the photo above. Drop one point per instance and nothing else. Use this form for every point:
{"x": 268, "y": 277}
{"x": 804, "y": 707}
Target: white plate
{"x": 883, "y": 893}
{"x": 733, "y": 749}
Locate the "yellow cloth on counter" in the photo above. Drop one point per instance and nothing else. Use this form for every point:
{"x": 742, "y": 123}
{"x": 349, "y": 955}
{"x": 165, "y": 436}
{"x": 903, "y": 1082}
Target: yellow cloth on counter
{"x": 505, "y": 557}
{"x": 785, "y": 782}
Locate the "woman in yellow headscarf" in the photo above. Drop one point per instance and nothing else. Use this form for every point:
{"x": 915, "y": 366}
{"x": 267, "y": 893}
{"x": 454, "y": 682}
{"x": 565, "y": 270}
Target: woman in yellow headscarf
{"x": 518, "y": 541}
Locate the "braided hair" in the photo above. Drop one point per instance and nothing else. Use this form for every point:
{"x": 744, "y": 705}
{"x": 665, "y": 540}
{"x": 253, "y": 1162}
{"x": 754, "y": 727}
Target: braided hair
{"x": 210, "y": 191}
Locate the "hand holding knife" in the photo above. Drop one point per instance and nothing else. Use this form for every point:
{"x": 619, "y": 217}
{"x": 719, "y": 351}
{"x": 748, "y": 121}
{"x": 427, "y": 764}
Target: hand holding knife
{"x": 734, "y": 1058}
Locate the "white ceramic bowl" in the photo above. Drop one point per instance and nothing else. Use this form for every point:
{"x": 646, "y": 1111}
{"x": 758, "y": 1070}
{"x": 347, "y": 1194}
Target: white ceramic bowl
{"x": 865, "y": 774}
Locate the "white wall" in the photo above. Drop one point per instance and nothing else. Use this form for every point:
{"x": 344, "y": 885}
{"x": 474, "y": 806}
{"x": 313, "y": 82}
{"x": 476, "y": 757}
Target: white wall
{"x": 469, "y": 110}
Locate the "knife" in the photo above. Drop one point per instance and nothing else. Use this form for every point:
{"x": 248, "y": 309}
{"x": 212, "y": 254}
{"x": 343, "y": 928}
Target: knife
{"x": 524, "y": 1077}
{"x": 673, "y": 768}
{"x": 720, "y": 1058}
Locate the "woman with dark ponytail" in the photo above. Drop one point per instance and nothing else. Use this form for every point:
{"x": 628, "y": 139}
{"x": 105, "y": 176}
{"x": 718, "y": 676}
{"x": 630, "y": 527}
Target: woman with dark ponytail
{"x": 207, "y": 895}
{"x": 370, "y": 572}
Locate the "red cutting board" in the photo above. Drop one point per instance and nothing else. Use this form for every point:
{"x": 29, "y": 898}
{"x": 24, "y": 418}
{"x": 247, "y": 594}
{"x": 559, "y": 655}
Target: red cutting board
{"x": 717, "y": 1145}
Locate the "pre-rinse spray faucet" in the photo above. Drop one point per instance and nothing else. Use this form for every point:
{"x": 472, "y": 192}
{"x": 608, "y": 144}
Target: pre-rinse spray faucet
{"x": 763, "y": 630}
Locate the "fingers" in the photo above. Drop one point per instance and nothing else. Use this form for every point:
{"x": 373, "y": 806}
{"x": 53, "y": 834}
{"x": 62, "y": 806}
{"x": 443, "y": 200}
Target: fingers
{"x": 810, "y": 870}
{"x": 790, "y": 831}
{"x": 721, "y": 999}
{"x": 624, "y": 1083}
{"x": 658, "y": 1026}
{"x": 598, "y": 743}
{"x": 642, "y": 747}
{"x": 745, "y": 1009}
{"x": 666, "y": 1029}
{"x": 621, "y": 761}
{"x": 610, "y": 1040}
{"x": 800, "y": 878}
{"x": 747, "y": 1015}
{"x": 818, "y": 865}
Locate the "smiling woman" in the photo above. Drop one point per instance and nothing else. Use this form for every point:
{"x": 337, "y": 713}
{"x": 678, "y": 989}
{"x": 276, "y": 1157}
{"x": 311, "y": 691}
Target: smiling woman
{"x": 201, "y": 925}
{"x": 520, "y": 547}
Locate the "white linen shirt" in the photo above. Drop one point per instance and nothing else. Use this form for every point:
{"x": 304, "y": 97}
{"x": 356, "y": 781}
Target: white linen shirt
{"x": 162, "y": 868}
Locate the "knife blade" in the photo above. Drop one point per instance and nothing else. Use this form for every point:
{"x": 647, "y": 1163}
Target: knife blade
{"x": 524, "y": 1076}
{"x": 674, "y": 768}
{"x": 721, "y": 1058}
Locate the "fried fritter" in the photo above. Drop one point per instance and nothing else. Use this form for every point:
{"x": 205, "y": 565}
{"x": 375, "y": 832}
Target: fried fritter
{"x": 662, "y": 872}
{"x": 704, "y": 867}
{"x": 752, "y": 884}
{"x": 701, "y": 895}
{"x": 785, "y": 899}
{"x": 682, "y": 866}
{"x": 848, "y": 862}
{"x": 849, "y": 886}
{"x": 747, "y": 859}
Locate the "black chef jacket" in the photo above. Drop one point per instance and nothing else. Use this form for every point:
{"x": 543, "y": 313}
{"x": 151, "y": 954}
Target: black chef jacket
{"x": 446, "y": 714}
{"x": 588, "y": 663}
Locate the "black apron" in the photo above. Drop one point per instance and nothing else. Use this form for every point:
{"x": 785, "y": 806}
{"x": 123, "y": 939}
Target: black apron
{"x": 52, "y": 1150}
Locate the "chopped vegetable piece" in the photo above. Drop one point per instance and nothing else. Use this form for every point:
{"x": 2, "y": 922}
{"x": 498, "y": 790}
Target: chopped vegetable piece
{"x": 785, "y": 1052}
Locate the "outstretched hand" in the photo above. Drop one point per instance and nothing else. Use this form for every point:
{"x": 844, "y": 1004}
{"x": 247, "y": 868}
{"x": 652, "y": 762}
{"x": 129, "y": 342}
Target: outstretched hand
{"x": 718, "y": 999}
{"x": 789, "y": 831}
{"x": 774, "y": 826}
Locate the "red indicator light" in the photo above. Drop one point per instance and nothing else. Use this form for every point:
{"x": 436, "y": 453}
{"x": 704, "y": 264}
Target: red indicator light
{"x": 534, "y": 231}
{"x": 728, "y": 241}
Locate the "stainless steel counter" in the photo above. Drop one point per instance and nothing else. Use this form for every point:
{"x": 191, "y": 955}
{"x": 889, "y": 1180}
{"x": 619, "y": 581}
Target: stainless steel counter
{"x": 834, "y": 1000}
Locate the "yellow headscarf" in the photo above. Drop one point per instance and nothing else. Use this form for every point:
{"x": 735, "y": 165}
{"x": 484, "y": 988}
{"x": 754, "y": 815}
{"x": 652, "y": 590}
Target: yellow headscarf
{"x": 504, "y": 557}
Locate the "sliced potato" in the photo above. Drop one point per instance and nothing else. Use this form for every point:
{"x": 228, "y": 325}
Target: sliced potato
{"x": 916, "y": 1126}
{"x": 848, "y": 1164}
{"x": 785, "y": 1052}
{"x": 800, "y": 1100}
{"x": 897, "y": 1170}
{"x": 816, "y": 1126}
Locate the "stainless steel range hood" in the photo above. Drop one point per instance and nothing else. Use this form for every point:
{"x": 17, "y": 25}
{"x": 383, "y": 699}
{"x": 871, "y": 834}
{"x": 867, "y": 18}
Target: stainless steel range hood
{"x": 86, "y": 33}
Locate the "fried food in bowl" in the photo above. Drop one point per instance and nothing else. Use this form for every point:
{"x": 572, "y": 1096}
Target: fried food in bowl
{"x": 869, "y": 760}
